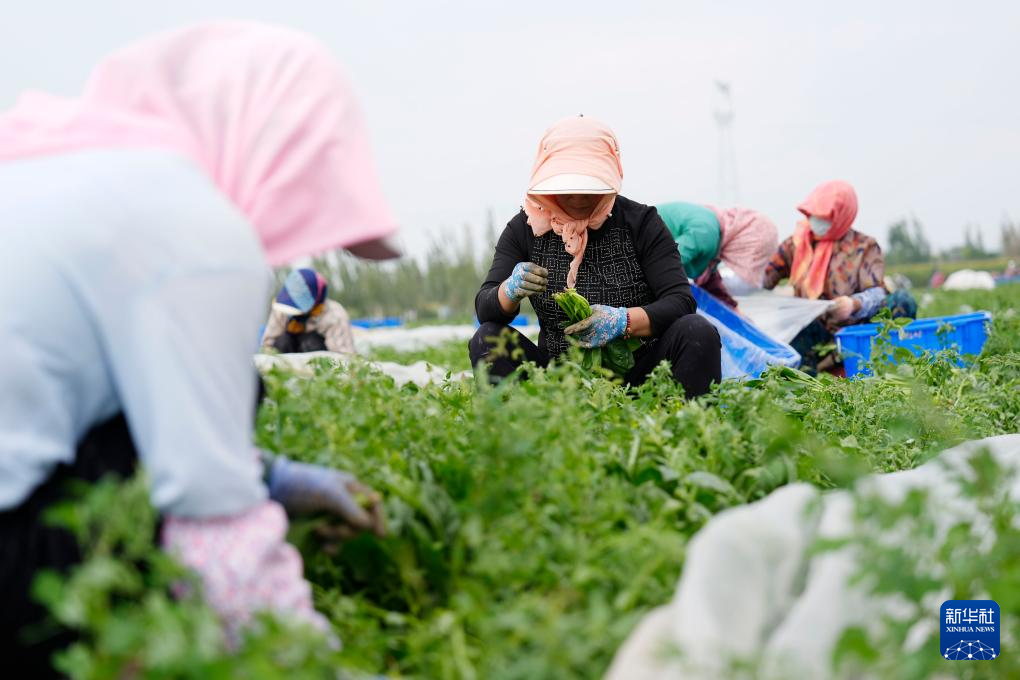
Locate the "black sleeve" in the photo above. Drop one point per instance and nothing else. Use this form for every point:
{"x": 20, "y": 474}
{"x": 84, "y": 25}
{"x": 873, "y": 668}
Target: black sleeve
{"x": 511, "y": 249}
{"x": 664, "y": 271}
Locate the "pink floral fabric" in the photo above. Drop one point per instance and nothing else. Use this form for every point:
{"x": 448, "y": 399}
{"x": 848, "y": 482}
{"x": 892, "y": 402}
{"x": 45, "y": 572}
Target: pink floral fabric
{"x": 245, "y": 565}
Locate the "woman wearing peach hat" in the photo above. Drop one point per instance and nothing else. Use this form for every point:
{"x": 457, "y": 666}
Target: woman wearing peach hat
{"x": 575, "y": 230}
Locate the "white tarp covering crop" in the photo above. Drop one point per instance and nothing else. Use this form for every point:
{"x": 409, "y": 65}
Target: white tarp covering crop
{"x": 968, "y": 279}
{"x": 751, "y": 588}
{"x": 414, "y": 339}
{"x": 420, "y": 373}
{"x": 779, "y": 316}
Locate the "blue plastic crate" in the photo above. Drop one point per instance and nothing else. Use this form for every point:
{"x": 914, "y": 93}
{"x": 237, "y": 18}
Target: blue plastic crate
{"x": 966, "y": 333}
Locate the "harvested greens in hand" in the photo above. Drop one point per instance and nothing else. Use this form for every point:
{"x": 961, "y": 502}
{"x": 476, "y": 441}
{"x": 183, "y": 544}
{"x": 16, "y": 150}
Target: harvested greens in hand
{"x": 617, "y": 356}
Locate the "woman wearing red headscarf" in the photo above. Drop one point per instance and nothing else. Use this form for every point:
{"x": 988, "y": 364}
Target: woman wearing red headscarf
{"x": 826, "y": 259}
{"x": 576, "y": 231}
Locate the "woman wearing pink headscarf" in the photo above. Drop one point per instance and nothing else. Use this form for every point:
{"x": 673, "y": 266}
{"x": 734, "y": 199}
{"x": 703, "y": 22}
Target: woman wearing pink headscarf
{"x": 826, "y": 259}
{"x": 576, "y": 230}
{"x": 139, "y": 222}
{"x": 721, "y": 249}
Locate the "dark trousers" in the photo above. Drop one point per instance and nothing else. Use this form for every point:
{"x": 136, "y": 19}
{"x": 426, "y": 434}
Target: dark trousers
{"x": 294, "y": 343}
{"x": 28, "y": 544}
{"x": 901, "y": 304}
{"x": 815, "y": 333}
{"x": 691, "y": 346}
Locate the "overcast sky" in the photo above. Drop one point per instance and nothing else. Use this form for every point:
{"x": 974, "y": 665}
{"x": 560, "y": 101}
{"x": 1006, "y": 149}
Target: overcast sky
{"x": 915, "y": 103}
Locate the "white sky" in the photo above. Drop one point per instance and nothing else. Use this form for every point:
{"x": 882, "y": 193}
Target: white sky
{"x": 916, "y": 103}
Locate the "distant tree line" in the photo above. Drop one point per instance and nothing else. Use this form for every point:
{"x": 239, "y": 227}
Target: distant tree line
{"x": 908, "y": 244}
{"x": 442, "y": 285}
{"x": 1010, "y": 238}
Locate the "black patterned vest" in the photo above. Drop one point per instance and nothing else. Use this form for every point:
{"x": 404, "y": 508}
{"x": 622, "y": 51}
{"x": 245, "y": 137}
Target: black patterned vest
{"x": 609, "y": 275}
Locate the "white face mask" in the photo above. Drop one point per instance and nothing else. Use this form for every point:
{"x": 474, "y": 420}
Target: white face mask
{"x": 819, "y": 227}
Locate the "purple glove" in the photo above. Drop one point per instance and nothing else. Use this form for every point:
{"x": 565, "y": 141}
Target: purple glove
{"x": 304, "y": 489}
{"x": 603, "y": 326}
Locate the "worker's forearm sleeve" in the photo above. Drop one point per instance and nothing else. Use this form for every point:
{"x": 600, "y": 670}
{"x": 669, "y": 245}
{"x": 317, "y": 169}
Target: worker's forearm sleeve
{"x": 871, "y": 301}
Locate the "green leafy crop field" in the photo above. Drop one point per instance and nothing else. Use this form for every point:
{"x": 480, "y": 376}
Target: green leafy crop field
{"x": 531, "y": 524}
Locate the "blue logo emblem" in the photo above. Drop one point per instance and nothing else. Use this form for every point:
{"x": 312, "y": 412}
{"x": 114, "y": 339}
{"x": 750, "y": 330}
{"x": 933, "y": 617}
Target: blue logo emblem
{"x": 970, "y": 630}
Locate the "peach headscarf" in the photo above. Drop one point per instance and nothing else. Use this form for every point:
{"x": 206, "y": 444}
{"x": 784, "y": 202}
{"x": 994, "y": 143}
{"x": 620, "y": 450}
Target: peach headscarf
{"x": 581, "y": 146}
{"x": 264, "y": 110}
{"x": 835, "y": 201}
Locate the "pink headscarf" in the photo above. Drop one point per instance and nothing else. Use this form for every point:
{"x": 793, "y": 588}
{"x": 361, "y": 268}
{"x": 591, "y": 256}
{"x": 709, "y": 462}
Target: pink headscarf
{"x": 264, "y": 110}
{"x": 835, "y": 201}
{"x": 581, "y": 146}
{"x": 748, "y": 240}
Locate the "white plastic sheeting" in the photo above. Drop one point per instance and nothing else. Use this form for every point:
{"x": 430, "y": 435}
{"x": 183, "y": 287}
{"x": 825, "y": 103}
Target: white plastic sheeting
{"x": 969, "y": 279}
{"x": 779, "y": 316}
{"x": 751, "y": 589}
{"x": 420, "y": 373}
{"x": 414, "y": 339}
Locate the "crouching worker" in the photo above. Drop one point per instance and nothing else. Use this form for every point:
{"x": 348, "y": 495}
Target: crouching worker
{"x": 146, "y": 215}
{"x": 576, "y": 231}
{"x": 724, "y": 251}
{"x": 826, "y": 259}
{"x": 304, "y": 319}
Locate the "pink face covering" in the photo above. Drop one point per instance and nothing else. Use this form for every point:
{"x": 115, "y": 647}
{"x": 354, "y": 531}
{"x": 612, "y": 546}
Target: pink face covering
{"x": 264, "y": 110}
{"x": 580, "y": 146}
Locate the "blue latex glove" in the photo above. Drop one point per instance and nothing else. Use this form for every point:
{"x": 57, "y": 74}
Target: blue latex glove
{"x": 527, "y": 279}
{"x": 304, "y": 489}
{"x": 603, "y": 326}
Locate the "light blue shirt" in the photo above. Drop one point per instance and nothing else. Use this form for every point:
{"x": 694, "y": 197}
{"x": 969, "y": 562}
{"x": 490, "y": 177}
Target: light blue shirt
{"x": 872, "y": 300}
{"x": 129, "y": 283}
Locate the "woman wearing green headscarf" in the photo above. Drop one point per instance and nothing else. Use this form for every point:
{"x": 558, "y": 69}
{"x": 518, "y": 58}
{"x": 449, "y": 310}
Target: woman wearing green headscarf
{"x": 723, "y": 251}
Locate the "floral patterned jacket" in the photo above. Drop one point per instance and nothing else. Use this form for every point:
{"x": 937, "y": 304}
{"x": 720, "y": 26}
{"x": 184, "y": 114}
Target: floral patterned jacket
{"x": 857, "y": 269}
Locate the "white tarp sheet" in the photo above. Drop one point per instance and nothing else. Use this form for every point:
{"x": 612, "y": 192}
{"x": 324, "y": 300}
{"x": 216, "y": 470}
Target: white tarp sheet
{"x": 752, "y": 589}
{"x": 781, "y": 317}
{"x": 414, "y": 339}
{"x": 968, "y": 279}
{"x": 420, "y": 373}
